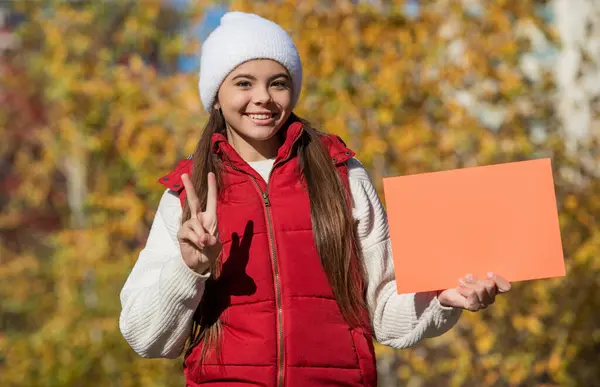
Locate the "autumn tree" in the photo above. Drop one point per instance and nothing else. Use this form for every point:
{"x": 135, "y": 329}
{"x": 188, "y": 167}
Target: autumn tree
{"x": 93, "y": 112}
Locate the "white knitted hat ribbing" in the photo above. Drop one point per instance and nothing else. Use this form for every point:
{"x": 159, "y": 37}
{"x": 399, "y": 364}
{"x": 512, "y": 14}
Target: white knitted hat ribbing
{"x": 239, "y": 38}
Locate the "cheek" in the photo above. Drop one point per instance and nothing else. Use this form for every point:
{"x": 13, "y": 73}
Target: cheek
{"x": 283, "y": 99}
{"x": 233, "y": 101}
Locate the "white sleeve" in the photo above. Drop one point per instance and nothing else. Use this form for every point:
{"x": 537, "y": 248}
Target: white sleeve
{"x": 161, "y": 293}
{"x": 398, "y": 320}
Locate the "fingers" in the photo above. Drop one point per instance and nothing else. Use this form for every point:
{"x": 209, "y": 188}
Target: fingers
{"x": 488, "y": 290}
{"x": 210, "y": 240}
{"x": 451, "y": 298}
{"x": 210, "y": 215}
{"x": 471, "y": 301}
{"x": 211, "y": 199}
{"x": 485, "y": 290}
{"x": 192, "y": 198}
{"x": 502, "y": 284}
{"x": 203, "y": 237}
{"x": 480, "y": 293}
{"x": 196, "y": 227}
{"x": 187, "y": 234}
{"x": 472, "y": 282}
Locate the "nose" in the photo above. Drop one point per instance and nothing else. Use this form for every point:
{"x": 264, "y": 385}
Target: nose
{"x": 261, "y": 96}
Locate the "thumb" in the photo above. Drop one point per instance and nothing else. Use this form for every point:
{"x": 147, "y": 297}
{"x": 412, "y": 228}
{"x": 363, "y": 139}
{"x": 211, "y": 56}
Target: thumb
{"x": 451, "y": 298}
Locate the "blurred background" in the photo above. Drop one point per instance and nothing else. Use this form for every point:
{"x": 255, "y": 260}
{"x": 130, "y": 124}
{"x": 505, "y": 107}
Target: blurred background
{"x": 99, "y": 99}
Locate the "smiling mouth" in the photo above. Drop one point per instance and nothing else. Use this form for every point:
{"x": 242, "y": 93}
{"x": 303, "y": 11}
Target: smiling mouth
{"x": 262, "y": 116}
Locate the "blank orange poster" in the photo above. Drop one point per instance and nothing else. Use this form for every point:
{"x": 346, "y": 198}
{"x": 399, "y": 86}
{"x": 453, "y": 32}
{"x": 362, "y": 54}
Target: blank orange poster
{"x": 499, "y": 218}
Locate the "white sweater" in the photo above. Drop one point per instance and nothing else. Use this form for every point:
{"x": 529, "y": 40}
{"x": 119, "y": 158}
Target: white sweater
{"x": 161, "y": 293}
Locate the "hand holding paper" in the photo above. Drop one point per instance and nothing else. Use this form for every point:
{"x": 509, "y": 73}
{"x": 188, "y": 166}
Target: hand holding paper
{"x": 474, "y": 294}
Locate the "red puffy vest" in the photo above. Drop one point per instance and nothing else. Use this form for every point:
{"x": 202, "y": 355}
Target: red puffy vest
{"x": 281, "y": 324}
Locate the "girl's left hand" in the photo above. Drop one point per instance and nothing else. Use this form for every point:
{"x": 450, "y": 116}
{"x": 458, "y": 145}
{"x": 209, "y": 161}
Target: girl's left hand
{"x": 474, "y": 294}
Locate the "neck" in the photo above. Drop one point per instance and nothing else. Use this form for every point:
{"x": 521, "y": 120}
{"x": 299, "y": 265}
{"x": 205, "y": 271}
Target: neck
{"x": 253, "y": 150}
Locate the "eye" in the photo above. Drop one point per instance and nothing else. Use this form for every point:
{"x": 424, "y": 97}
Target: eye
{"x": 243, "y": 84}
{"x": 280, "y": 84}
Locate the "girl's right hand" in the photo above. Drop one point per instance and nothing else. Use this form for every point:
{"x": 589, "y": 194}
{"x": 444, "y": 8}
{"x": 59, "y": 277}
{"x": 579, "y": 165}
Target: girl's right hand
{"x": 199, "y": 236}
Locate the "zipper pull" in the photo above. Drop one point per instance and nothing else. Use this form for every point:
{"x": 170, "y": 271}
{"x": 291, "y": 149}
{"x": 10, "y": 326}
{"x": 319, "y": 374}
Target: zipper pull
{"x": 266, "y": 199}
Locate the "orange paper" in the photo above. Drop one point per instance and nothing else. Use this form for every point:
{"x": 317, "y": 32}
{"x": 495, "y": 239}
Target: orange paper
{"x": 500, "y": 218}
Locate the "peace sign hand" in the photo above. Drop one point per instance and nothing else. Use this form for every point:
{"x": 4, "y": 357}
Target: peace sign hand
{"x": 198, "y": 236}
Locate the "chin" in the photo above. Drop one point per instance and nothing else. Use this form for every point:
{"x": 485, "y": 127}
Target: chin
{"x": 262, "y": 131}
{"x": 261, "y": 134}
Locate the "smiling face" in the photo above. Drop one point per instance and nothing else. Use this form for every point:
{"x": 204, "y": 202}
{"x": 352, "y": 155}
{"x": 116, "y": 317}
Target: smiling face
{"x": 256, "y": 100}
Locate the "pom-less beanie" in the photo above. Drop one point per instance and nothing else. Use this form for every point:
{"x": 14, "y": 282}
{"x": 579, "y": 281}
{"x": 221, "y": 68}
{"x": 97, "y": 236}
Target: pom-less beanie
{"x": 239, "y": 38}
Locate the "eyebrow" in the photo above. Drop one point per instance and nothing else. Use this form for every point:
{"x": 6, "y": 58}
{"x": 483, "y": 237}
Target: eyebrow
{"x": 253, "y": 78}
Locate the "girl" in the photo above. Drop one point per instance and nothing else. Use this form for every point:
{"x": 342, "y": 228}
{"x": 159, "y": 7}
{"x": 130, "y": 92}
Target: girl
{"x": 270, "y": 252}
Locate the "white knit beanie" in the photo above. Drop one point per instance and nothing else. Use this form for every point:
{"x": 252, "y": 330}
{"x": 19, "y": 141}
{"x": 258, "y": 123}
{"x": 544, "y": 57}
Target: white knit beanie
{"x": 239, "y": 38}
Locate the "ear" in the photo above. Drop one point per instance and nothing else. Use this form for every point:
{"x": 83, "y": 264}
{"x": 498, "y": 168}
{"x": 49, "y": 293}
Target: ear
{"x": 217, "y": 105}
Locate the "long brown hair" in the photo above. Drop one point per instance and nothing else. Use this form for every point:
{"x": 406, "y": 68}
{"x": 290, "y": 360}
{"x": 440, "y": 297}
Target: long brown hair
{"x": 334, "y": 228}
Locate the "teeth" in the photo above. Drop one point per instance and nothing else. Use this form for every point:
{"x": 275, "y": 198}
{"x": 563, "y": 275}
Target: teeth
{"x": 259, "y": 116}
